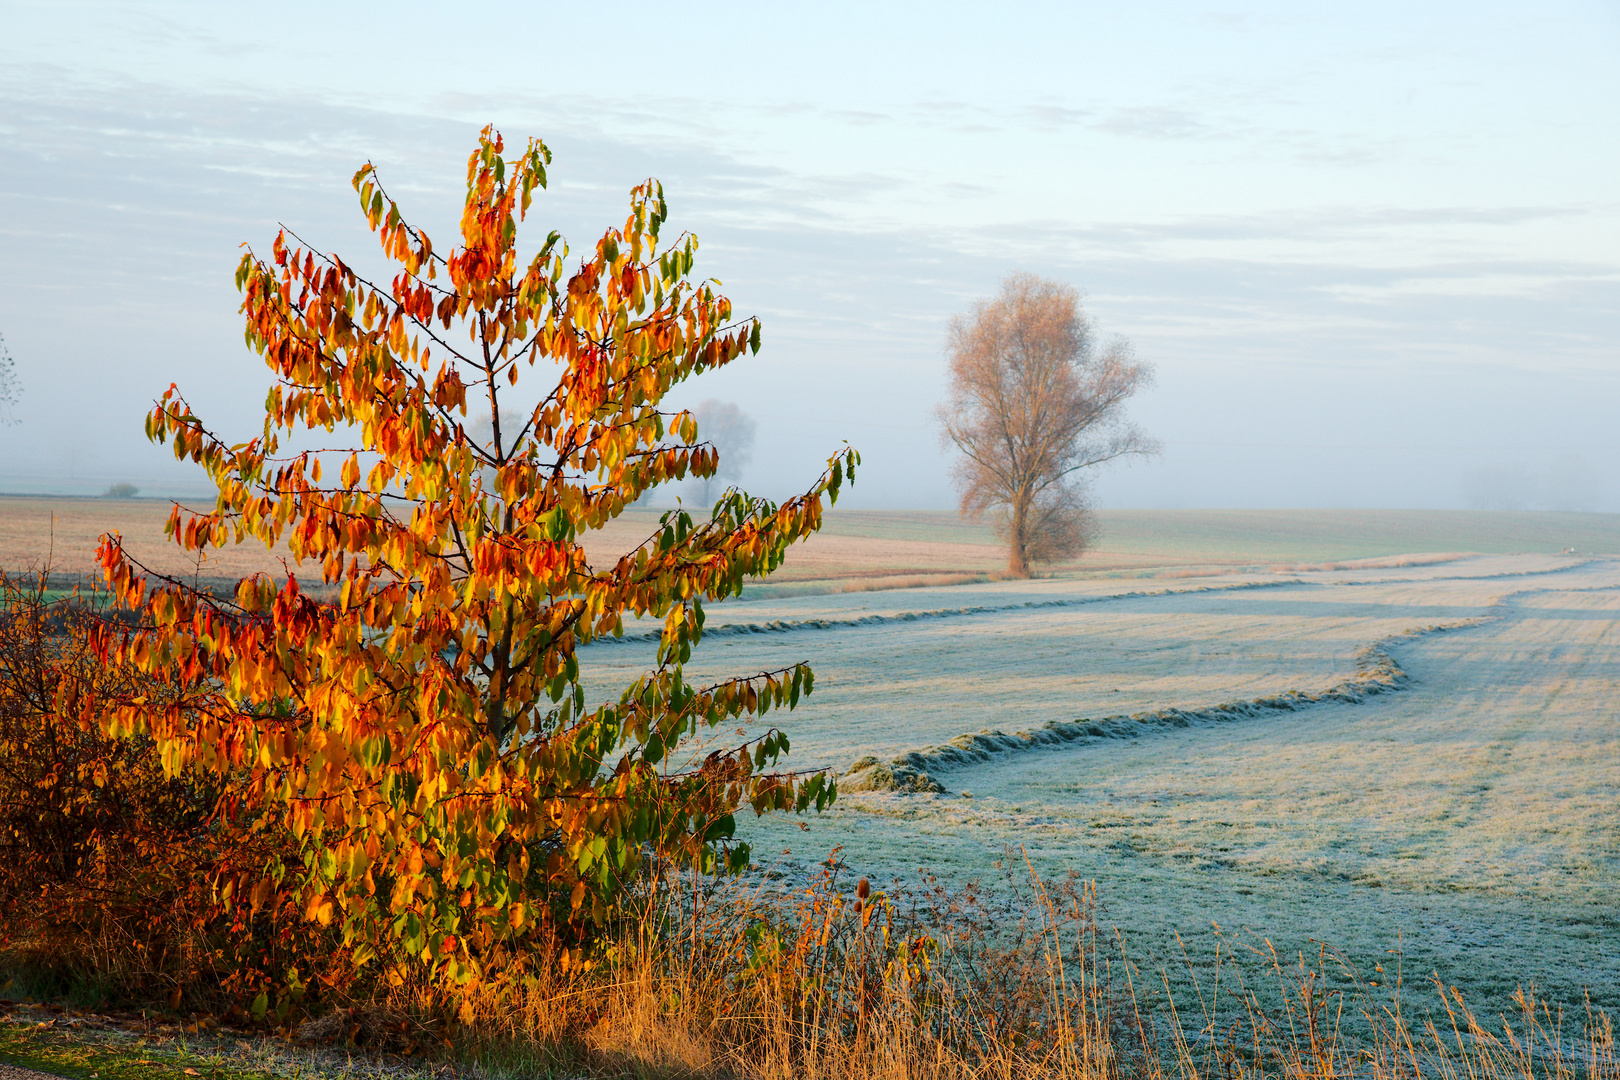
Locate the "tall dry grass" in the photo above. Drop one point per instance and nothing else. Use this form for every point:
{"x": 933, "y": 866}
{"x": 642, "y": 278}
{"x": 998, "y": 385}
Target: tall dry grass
{"x": 837, "y": 982}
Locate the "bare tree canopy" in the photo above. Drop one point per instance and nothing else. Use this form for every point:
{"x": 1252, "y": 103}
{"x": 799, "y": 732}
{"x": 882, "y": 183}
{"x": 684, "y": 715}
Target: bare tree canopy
{"x": 497, "y": 441}
{"x": 10, "y": 390}
{"x": 730, "y": 431}
{"x": 1033, "y": 401}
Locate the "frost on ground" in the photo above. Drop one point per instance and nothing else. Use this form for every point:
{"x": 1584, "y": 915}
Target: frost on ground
{"x": 1454, "y": 795}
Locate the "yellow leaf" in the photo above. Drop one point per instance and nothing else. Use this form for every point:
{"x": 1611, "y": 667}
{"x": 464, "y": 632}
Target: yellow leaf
{"x": 319, "y": 910}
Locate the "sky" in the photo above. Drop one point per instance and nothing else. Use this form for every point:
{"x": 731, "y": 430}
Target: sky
{"x": 1372, "y": 250}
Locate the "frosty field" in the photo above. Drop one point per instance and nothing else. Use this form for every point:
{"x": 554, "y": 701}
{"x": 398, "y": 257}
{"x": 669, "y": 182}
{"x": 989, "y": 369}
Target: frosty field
{"x": 1283, "y": 722}
{"x": 1456, "y": 795}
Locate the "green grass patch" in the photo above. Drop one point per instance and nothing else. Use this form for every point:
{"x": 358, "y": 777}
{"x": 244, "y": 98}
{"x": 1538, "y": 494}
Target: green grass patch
{"x": 103, "y": 1055}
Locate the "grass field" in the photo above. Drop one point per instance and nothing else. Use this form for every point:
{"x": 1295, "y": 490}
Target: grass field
{"x": 1467, "y": 817}
{"x": 1266, "y": 536}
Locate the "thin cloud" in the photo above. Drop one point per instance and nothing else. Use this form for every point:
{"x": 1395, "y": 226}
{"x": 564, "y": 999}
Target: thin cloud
{"x": 1155, "y": 122}
{"x": 120, "y": 213}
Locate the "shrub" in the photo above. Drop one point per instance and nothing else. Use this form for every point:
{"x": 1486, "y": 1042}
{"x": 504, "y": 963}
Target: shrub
{"x": 109, "y": 868}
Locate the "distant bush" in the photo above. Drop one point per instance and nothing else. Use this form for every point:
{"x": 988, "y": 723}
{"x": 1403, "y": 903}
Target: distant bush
{"x": 121, "y": 490}
{"x": 10, "y": 389}
{"x": 110, "y": 869}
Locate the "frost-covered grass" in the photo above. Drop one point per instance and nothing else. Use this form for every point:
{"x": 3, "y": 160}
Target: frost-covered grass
{"x": 1272, "y": 536}
{"x": 1467, "y": 819}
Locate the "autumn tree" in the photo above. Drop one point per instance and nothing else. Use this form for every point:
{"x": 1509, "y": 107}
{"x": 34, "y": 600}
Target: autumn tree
{"x": 420, "y": 721}
{"x": 1033, "y": 402}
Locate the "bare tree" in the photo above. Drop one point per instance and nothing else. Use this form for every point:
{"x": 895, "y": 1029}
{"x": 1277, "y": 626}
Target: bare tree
{"x": 483, "y": 434}
{"x": 10, "y": 389}
{"x": 731, "y": 432}
{"x": 1033, "y": 401}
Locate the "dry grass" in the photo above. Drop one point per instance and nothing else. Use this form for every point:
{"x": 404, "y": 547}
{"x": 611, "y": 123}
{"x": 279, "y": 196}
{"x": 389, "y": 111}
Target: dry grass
{"x": 65, "y": 532}
{"x": 868, "y": 581}
{"x": 918, "y": 581}
{"x": 1386, "y": 562}
{"x": 835, "y": 984}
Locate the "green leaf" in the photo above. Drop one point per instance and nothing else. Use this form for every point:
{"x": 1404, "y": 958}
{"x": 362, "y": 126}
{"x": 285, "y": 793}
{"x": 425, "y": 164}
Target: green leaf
{"x": 720, "y": 829}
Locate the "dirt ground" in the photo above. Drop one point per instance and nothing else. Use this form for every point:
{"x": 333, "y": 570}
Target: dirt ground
{"x": 64, "y": 533}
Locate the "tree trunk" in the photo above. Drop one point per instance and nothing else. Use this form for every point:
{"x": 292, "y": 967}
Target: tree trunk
{"x": 1017, "y": 563}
